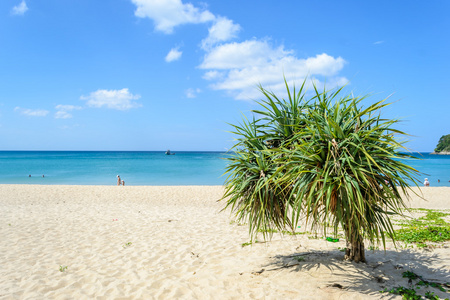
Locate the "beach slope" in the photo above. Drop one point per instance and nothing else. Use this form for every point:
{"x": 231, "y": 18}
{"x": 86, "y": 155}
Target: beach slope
{"x": 105, "y": 242}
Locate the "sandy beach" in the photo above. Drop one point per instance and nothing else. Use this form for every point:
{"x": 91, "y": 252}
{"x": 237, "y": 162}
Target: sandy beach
{"x": 143, "y": 242}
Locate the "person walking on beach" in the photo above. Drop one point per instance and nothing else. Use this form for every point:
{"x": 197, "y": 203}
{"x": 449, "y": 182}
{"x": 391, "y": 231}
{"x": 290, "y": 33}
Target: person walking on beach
{"x": 118, "y": 180}
{"x": 426, "y": 183}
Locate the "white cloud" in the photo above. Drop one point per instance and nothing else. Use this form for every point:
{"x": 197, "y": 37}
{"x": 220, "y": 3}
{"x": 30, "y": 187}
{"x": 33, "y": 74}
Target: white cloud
{"x": 32, "y": 112}
{"x": 223, "y": 30}
{"x": 113, "y": 99}
{"x": 192, "y": 93}
{"x": 20, "y": 9}
{"x": 239, "y": 55}
{"x": 211, "y": 75}
{"x": 63, "y": 111}
{"x": 239, "y": 67}
{"x": 378, "y": 42}
{"x": 168, "y": 14}
{"x": 173, "y": 55}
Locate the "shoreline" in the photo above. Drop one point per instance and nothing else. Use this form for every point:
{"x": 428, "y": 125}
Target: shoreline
{"x": 440, "y": 153}
{"x": 172, "y": 242}
{"x": 440, "y": 194}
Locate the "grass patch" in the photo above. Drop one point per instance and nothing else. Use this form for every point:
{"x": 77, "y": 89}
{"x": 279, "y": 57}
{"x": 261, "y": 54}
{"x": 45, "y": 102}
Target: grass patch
{"x": 428, "y": 228}
{"x": 426, "y": 234}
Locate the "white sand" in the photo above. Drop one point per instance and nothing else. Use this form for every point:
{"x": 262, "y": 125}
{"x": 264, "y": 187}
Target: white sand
{"x": 174, "y": 243}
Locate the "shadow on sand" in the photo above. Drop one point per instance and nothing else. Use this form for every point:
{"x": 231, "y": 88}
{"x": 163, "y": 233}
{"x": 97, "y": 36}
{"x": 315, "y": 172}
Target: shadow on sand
{"x": 383, "y": 270}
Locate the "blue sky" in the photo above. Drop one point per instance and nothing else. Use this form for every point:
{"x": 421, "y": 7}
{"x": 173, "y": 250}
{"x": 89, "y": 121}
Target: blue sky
{"x": 159, "y": 74}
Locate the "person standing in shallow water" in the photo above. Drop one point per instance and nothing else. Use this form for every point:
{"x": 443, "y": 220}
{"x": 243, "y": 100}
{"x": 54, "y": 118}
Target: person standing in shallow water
{"x": 426, "y": 183}
{"x": 118, "y": 180}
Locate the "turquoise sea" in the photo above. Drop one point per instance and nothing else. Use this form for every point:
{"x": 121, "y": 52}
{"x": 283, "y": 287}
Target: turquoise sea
{"x": 102, "y": 167}
{"x": 149, "y": 168}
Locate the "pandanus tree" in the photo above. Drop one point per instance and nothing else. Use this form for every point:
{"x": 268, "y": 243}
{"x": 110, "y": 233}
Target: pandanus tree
{"x": 326, "y": 159}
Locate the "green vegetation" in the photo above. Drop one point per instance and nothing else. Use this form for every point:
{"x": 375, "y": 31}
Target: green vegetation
{"x": 299, "y": 258}
{"x": 62, "y": 268}
{"x": 443, "y": 144}
{"x": 407, "y": 294}
{"x": 429, "y": 228}
{"x": 327, "y": 158}
{"x": 126, "y": 245}
{"x": 411, "y": 293}
{"x": 249, "y": 243}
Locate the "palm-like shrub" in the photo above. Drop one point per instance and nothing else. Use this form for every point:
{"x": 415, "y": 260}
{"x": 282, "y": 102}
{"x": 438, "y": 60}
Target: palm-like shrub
{"x": 331, "y": 161}
{"x": 253, "y": 188}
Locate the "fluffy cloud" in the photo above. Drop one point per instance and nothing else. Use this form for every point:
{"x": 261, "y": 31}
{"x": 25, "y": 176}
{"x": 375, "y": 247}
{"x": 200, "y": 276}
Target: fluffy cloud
{"x": 174, "y": 54}
{"x": 32, "y": 112}
{"x": 112, "y": 99}
{"x": 239, "y": 67}
{"x": 192, "y": 93}
{"x": 222, "y": 30}
{"x": 63, "y": 111}
{"x": 19, "y": 9}
{"x": 241, "y": 55}
{"x": 168, "y": 14}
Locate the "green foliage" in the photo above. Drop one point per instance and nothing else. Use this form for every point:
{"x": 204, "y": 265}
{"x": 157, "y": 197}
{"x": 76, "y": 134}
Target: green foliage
{"x": 410, "y": 293}
{"x": 62, "y": 268}
{"x": 253, "y": 188}
{"x": 270, "y": 230}
{"x": 431, "y": 295}
{"x": 406, "y": 293}
{"x": 410, "y": 275}
{"x": 327, "y": 158}
{"x": 429, "y": 228}
{"x": 432, "y": 284}
{"x": 430, "y": 234}
{"x": 292, "y": 233}
{"x": 249, "y": 243}
{"x": 300, "y": 258}
{"x": 443, "y": 144}
{"x": 126, "y": 245}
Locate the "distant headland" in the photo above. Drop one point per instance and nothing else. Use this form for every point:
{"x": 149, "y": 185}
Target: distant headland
{"x": 443, "y": 146}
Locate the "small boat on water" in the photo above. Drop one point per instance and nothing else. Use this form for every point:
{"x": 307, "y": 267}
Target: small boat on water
{"x": 169, "y": 153}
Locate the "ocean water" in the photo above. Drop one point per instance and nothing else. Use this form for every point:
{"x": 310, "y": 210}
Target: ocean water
{"x": 434, "y": 167}
{"x": 102, "y": 167}
{"x": 150, "y": 168}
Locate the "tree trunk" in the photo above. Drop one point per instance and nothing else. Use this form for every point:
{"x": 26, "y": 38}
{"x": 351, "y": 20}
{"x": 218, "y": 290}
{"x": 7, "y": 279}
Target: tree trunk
{"x": 355, "y": 249}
